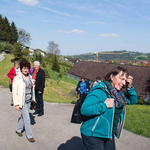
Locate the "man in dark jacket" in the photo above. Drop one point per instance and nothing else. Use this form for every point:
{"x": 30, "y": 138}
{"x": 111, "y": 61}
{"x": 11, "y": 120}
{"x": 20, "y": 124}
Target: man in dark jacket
{"x": 39, "y": 77}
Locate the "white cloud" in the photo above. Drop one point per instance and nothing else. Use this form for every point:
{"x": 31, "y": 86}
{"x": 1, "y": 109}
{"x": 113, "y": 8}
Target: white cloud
{"x": 95, "y": 22}
{"x": 58, "y": 12}
{"x": 72, "y": 31}
{"x": 62, "y": 31}
{"x": 108, "y": 35}
{"x": 77, "y": 31}
{"x": 147, "y": 18}
{"x": 119, "y": 5}
{"x": 29, "y": 2}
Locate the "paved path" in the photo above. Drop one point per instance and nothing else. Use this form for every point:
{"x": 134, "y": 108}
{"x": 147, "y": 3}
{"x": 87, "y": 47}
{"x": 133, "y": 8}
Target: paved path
{"x": 53, "y": 131}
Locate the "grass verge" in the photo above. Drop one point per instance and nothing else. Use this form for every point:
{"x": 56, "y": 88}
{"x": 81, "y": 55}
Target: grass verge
{"x": 138, "y": 119}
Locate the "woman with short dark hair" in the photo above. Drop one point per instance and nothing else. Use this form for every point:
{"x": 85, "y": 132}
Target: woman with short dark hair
{"x": 23, "y": 94}
{"x": 104, "y": 108}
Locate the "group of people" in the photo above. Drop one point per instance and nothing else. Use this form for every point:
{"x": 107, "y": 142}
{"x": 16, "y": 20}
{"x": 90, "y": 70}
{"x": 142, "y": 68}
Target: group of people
{"x": 27, "y": 85}
{"x": 104, "y": 108}
{"x": 103, "y": 104}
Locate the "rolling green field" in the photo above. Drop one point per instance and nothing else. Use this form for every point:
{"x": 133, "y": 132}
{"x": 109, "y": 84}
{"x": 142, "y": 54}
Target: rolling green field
{"x": 62, "y": 91}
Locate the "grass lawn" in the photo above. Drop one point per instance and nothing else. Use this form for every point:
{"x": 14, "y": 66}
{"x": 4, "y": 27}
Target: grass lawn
{"x": 59, "y": 91}
{"x": 138, "y": 119}
{"x": 5, "y": 67}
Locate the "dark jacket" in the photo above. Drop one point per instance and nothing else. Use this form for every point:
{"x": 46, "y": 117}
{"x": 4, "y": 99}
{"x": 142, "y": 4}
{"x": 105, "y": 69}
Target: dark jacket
{"x": 40, "y": 80}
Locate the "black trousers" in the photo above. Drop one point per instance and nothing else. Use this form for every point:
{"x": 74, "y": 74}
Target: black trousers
{"x": 94, "y": 143}
{"x": 82, "y": 97}
{"x": 39, "y": 101}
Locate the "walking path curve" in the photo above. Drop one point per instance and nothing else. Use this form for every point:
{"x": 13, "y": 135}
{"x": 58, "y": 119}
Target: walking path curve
{"x": 53, "y": 131}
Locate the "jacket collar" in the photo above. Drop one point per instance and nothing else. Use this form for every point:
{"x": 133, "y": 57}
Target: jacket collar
{"x": 101, "y": 85}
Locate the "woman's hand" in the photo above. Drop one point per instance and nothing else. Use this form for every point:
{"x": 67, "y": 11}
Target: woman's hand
{"x": 109, "y": 102}
{"x": 17, "y": 108}
{"x": 40, "y": 92}
{"x": 129, "y": 81}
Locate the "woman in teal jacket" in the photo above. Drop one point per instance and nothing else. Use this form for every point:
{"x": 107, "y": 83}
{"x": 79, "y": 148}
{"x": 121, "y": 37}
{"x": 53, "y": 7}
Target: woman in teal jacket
{"x": 104, "y": 110}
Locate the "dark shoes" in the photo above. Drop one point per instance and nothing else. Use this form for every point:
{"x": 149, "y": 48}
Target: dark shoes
{"x": 40, "y": 114}
{"x": 31, "y": 140}
{"x": 35, "y": 113}
{"x": 19, "y": 134}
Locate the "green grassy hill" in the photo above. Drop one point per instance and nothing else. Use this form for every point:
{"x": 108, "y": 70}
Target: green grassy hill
{"x": 60, "y": 90}
{"x": 125, "y": 55}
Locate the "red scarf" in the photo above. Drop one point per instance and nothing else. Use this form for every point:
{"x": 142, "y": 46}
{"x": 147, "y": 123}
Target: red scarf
{"x": 34, "y": 74}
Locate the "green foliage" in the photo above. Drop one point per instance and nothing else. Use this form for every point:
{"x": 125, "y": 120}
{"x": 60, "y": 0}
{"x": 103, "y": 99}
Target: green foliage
{"x": 141, "y": 57}
{"x": 7, "y": 30}
{"x": 138, "y": 119}
{"x": 2, "y": 29}
{"x": 130, "y": 63}
{"x": 6, "y": 46}
{"x": 126, "y": 55}
{"x": 18, "y": 52}
{"x": 55, "y": 64}
{"x": 38, "y": 56}
{"x": 14, "y": 33}
{"x": 46, "y": 73}
{"x": 26, "y": 52}
{"x": 66, "y": 65}
{"x": 59, "y": 75}
{"x": 5, "y": 66}
{"x": 115, "y": 62}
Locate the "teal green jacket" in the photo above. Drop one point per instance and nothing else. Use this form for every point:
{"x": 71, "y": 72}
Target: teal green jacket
{"x": 99, "y": 118}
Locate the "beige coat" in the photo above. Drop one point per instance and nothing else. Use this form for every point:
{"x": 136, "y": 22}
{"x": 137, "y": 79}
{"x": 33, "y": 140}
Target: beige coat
{"x": 18, "y": 89}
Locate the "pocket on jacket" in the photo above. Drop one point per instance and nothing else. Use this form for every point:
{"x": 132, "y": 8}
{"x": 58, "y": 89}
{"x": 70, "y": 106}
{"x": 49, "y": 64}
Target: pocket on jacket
{"x": 102, "y": 127}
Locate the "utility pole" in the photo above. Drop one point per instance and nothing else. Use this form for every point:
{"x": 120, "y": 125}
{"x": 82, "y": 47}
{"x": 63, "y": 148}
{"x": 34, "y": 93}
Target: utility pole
{"x": 97, "y": 56}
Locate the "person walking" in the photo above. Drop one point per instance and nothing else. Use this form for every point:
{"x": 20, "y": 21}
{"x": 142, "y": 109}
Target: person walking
{"x": 82, "y": 88}
{"x": 23, "y": 94}
{"x": 104, "y": 108}
{"x": 98, "y": 79}
{"x": 11, "y": 74}
{"x": 39, "y": 77}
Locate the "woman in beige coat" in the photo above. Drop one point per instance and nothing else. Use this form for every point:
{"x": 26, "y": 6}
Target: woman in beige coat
{"x": 23, "y": 94}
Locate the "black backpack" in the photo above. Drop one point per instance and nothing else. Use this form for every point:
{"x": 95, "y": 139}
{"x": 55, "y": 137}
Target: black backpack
{"x": 76, "y": 115}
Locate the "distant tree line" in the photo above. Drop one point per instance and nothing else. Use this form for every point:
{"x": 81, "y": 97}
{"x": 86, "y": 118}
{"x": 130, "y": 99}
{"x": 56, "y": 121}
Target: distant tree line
{"x": 8, "y": 32}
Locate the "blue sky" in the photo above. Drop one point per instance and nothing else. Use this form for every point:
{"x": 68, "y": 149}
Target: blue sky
{"x": 82, "y": 26}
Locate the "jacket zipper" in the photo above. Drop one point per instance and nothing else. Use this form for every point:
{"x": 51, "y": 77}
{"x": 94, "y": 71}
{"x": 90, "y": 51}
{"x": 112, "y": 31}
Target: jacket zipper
{"x": 95, "y": 125}
{"x": 112, "y": 122}
{"x": 123, "y": 121}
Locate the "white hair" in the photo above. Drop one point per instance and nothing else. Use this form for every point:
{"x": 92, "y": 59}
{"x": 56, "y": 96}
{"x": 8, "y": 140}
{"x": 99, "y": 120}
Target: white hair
{"x": 37, "y": 62}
